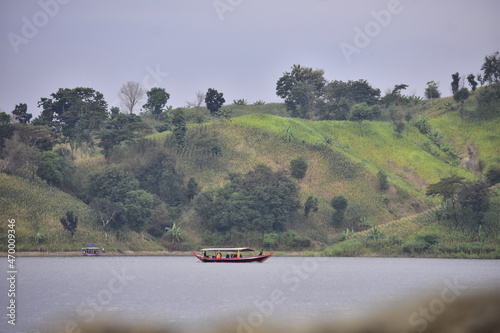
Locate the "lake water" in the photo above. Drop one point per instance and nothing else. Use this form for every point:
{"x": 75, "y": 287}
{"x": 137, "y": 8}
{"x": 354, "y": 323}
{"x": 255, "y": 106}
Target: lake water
{"x": 183, "y": 291}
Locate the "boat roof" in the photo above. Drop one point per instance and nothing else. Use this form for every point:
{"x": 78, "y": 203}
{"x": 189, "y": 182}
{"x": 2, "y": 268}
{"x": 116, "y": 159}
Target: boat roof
{"x": 91, "y": 247}
{"x": 229, "y": 249}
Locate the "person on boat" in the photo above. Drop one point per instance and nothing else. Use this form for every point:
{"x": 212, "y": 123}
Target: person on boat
{"x": 260, "y": 252}
{"x": 219, "y": 255}
{"x": 238, "y": 255}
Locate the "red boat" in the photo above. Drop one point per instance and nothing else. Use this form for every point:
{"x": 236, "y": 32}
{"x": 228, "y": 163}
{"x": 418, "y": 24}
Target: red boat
{"x": 230, "y": 254}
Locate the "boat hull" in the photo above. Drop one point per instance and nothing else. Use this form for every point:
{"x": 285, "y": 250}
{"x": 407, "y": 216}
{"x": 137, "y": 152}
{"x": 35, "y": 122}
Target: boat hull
{"x": 260, "y": 258}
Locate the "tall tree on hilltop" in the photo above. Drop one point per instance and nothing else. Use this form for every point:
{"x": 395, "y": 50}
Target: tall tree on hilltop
{"x": 455, "y": 83}
{"x": 157, "y": 99}
{"x": 432, "y": 90}
{"x": 491, "y": 68}
{"x": 301, "y": 88}
{"x": 472, "y": 82}
{"x": 214, "y": 101}
{"x": 75, "y": 113}
{"x": 130, "y": 94}
{"x": 21, "y": 114}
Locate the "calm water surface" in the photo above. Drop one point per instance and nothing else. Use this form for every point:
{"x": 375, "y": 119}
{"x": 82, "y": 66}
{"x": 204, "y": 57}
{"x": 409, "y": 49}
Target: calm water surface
{"x": 182, "y": 290}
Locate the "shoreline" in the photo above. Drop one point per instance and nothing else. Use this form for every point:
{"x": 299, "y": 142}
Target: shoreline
{"x": 129, "y": 253}
{"x": 21, "y": 254}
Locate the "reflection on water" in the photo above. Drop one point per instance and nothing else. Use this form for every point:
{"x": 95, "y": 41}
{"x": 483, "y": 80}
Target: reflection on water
{"x": 183, "y": 292}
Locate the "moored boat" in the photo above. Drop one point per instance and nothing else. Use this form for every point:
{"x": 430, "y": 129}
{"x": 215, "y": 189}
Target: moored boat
{"x": 91, "y": 250}
{"x": 231, "y": 255}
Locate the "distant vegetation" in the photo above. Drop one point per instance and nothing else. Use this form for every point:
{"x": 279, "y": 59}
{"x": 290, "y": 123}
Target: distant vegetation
{"x": 337, "y": 168}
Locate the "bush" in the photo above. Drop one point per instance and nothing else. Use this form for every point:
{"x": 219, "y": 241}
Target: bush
{"x": 383, "y": 184}
{"x": 493, "y": 174}
{"x": 287, "y": 240}
{"x": 422, "y": 124}
{"x": 240, "y": 101}
{"x": 162, "y": 128}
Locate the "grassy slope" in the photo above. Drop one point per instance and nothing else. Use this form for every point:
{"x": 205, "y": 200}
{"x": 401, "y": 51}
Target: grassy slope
{"x": 37, "y": 210}
{"x": 460, "y": 132}
{"x": 261, "y": 139}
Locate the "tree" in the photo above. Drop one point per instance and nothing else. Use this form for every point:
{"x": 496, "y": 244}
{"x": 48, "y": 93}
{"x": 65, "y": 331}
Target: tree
{"x": 461, "y": 95}
{"x": 394, "y": 97}
{"x": 200, "y": 97}
{"x": 113, "y": 184}
{"x": 117, "y": 129}
{"x": 455, "y": 83}
{"x": 106, "y": 210}
{"x": 491, "y": 68}
{"x": 260, "y": 200}
{"x": 311, "y": 205}
{"x": 493, "y": 174}
{"x": 157, "y": 99}
{"x": 130, "y": 94}
{"x": 383, "y": 184}
{"x": 138, "y": 208}
{"x": 4, "y": 118}
{"x": 76, "y": 113}
{"x": 179, "y": 128}
{"x": 472, "y": 82}
{"x": 192, "y": 188}
{"x": 339, "y": 204}
{"x": 360, "y": 112}
{"x": 432, "y": 90}
{"x": 447, "y": 188}
{"x": 214, "y": 101}
{"x": 298, "y": 168}
{"x": 51, "y": 168}
{"x": 21, "y": 114}
{"x": 473, "y": 200}
{"x": 301, "y": 89}
{"x": 21, "y": 156}
{"x": 70, "y": 222}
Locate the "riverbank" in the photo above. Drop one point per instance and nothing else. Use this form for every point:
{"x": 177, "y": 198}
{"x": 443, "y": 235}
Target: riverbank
{"x": 106, "y": 254}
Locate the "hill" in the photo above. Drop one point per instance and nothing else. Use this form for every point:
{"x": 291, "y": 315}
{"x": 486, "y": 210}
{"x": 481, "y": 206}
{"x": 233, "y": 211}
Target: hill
{"x": 343, "y": 158}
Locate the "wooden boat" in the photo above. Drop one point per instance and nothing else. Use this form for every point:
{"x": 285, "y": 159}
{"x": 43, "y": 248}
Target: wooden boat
{"x": 91, "y": 250}
{"x": 230, "y": 255}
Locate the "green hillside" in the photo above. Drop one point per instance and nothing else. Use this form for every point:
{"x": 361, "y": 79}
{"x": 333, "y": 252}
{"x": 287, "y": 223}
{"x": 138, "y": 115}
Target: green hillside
{"x": 343, "y": 158}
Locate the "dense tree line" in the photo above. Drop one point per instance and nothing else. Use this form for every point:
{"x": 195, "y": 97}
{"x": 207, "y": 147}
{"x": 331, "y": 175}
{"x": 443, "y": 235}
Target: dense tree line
{"x": 260, "y": 200}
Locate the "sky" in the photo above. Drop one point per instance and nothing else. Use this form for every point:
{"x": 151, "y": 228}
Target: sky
{"x": 239, "y": 47}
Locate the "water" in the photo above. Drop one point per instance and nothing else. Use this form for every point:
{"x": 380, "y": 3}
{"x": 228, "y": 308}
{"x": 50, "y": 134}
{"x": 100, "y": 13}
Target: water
{"x": 184, "y": 291}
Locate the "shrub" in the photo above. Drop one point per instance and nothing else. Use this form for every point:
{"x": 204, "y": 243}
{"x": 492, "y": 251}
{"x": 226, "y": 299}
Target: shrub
{"x": 240, "y": 101}
{"x": 422, "y": 124}
{"x": 162, "y": 128}
{"x": 383, "y": 184}
{"x": 493, "y": 174}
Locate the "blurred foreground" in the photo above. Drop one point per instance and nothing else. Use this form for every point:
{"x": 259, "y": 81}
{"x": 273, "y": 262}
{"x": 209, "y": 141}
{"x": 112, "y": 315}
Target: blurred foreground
{"x": 445, "y": 312}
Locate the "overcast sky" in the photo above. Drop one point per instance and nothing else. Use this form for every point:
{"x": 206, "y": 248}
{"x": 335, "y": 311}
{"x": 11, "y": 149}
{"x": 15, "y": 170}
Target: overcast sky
{"x": 239, "y": 47}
